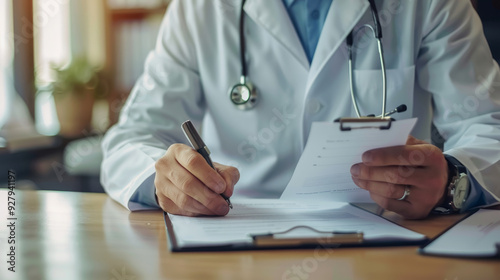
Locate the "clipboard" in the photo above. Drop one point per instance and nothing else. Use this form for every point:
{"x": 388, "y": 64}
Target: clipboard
{"x": 348, "y": 124}
{"x": 325, "y": 238}
{"x": 272, "y": 219}
{"x": 282, "y": 240}
{"x": 496, "y": 254}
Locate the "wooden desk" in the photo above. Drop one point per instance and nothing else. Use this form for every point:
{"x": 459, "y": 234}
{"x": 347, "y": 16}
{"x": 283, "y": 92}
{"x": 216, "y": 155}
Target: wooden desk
{"x": 64, "y": 235}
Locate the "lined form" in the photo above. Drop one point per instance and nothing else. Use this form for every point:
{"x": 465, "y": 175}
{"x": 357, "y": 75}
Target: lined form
{"x": 323, "y": 170}
{"x": 262, "y": 216}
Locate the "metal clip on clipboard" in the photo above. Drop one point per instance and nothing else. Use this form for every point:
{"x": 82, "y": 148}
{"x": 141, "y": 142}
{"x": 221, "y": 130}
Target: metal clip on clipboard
{"x": 347, "y": 124}
{"x": 287, "y": 239}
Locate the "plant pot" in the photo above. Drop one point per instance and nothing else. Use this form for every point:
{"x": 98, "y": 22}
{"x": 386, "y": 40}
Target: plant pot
{"x": 74, "y": 111}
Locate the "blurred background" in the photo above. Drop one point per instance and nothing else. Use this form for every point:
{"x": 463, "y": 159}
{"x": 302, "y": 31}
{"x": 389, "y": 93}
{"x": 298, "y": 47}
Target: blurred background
{"x": 66, "y": 68}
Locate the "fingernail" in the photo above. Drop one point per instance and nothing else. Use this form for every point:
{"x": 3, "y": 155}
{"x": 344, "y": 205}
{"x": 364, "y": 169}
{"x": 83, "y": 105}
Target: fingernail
{"x": 221, "y": 187}
{"x": 367, "y": 157}
{"x": 355, "y": 169}
{"x": 223, "y": 209}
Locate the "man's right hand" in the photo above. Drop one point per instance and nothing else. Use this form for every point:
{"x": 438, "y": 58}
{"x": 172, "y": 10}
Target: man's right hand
{"x": 187, "y": 185}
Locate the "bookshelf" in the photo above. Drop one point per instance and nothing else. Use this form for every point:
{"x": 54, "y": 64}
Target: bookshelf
{"x": 132, "y": 28}
{"x": 124, "y": 14}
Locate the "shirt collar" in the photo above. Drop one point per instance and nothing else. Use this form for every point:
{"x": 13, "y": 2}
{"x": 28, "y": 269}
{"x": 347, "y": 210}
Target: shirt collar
{"x": 288, "y": 3}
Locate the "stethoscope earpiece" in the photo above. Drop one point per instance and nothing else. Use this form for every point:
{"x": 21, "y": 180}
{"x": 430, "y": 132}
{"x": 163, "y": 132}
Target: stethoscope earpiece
{"x": 243, "y": 95}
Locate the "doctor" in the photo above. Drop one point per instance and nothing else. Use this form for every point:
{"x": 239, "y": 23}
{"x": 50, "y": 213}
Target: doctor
{"x": 437, "y": 62}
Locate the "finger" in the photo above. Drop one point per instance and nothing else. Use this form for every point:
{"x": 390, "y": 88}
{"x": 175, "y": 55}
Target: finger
{"x": 416, "y": 155}
{"x": 418, "y": 196}
{"x": 198, "y": 166}
{"x": 402, "y": 207}
{"x": 165, "y": 189}
{"x": 186, "y": 184}
{"x": 169, "y": 206}
{"x": 231, "y": 176}
{"x": 399, "y": 175}
{"x": 384, "y": 189}
{"x": 185, "y": 201}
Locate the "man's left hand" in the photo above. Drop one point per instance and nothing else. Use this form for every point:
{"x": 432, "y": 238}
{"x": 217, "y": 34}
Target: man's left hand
{"x": 386, "y": 172}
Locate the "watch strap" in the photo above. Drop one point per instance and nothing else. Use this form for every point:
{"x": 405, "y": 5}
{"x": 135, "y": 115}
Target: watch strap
{"x": 455, "y": 168}
{"x": 455, "y": 163}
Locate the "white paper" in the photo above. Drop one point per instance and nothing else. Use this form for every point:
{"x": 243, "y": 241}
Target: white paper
{"x": 262, "y": 216}
{"x": 323, "y": 170}
{"x": 475, "y": 236}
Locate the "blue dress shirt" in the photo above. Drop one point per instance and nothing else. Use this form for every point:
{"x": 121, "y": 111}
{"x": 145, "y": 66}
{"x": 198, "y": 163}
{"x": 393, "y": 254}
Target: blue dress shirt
{"x": 308, "y": 17}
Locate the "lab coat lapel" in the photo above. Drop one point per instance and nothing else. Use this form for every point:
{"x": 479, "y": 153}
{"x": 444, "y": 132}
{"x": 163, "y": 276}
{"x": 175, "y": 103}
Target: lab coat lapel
{"x": 273, "y": 17}
{"x": 342, "y": 17}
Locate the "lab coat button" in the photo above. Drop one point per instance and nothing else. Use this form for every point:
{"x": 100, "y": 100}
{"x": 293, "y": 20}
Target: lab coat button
{"x": 314, "y": 106}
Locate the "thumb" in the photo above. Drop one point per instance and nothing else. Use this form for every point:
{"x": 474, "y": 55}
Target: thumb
{"x": 231, "y": 176}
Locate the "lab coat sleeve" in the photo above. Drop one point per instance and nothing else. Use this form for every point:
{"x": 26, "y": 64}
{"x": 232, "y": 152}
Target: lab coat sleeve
{"x": 478, "y": 196}
{"x": 167, "y": 94}
{"x": 455, "y": 65}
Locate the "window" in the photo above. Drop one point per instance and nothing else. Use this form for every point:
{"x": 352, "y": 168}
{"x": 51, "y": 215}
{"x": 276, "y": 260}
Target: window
{"x": 52, "y": 37}
{"x": 52, "y": 48}
{"x": 48, "y": 25}
{"x": 6, "y": 39}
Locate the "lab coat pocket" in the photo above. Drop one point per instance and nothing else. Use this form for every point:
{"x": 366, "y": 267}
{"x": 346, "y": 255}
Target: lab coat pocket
{"x": 400, "y": 87}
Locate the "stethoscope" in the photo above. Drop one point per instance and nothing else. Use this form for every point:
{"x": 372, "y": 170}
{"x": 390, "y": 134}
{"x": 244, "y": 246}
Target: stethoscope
{"x": 244, "y": 95}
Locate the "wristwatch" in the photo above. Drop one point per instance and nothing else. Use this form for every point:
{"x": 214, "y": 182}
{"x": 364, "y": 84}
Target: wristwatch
{"x": 457, "y": 190}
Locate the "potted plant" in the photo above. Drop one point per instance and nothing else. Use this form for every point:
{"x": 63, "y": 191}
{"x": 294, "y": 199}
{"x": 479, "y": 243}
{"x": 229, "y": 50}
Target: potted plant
{"x": 75, "y": 89}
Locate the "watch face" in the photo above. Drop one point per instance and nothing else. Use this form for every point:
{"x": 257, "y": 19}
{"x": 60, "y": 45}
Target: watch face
{"x": 461, "y": 191}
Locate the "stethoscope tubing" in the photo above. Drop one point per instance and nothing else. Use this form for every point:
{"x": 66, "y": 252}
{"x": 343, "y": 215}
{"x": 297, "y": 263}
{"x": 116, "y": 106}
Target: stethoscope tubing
{"x": 377, "y": 33}
{"x": 248, "y": 103}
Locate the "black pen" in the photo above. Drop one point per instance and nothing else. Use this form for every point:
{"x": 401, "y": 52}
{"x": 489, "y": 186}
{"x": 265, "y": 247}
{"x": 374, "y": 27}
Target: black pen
{"x": 198, "y": 144}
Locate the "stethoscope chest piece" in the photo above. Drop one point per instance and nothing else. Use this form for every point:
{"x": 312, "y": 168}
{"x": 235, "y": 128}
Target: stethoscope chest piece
{"x": 243, "y": 95}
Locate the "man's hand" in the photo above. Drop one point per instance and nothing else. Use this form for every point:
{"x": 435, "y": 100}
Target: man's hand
{"x": 187, "y": 185}
{"x": 386, "y": 172}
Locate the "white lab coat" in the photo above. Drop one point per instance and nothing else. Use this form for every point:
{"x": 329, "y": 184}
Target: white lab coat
{"x": 438, "y": 63}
